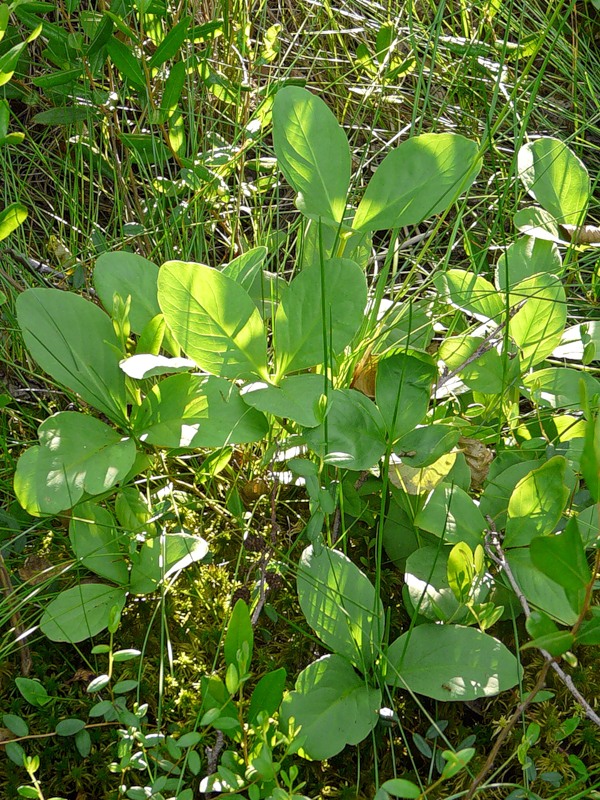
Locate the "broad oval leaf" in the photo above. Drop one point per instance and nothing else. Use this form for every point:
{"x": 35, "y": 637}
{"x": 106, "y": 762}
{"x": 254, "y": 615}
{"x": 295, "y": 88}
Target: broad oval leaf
{"x": 403, "y": 391}
{"x": 561, "y": 387}
{"x": 267, "y": 694}
{"x": 472, "y": 294}
{"x": 197, "y": 411}
{"x": 81, "y": 612}
{"x": 539, "y": 589}
{"x": 580, "y": 343}
{"x": 340, "y": 605}
{"x": 77, "y": 454}
{"x": 312, "y": 152}
{"x": 480, "y": 367}
{"x": 426, "y": 579}
{"x": 97, "y": 544}
{"x": 451, "y": 662}
{"x": 421, "y": 177}
{"x": 246, "y": 268}
{"x": 537, "y": 503}
{"x": 162, "y": 556}
{"x": 556, "y": 178}
{"x": 538, "y": 326}
{"x": 451, "y": 514}
{"x": 349, "y": 411}
{"x": 147, "y": 365}
{"x": 525, "y": 258}
{"x": 562, "y": 558}
{"x": 333, "y": 705}
{"x": 539, "y": 224}
{"x": 308, "y": 319}
{"x": 128, "y": 275}
{"x": 74, "y": 342}
{"x": 213, "y": 320}
{"x": 296, "y": 397}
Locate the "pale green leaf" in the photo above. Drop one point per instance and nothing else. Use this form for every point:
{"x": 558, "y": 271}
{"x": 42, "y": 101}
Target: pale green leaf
{"x": 213, "y": 319}
{"x": 333, "y": 706}
{"x": 81, "y": 612}
{"x": 340, "y": 604}
{"x": 74, "y": 342}
{"x": 77, "y": 454}
{"x": 197, "y": 411}
{"x": 421, "y": 177}
{"x": 451, "y": 662}
{"x": 312, "y": 152}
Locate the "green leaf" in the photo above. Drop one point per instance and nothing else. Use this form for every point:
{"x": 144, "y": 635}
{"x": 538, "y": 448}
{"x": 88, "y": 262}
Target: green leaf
{"x": 539, "y": 224}
{"x": 125, "y": 61}
{"x": 312, "y": 152}
{"x": 171, "y": 44}
{"x": 426, "y": 443}
{"x": 525, "y": 258}
{"x": 562, "y": 558}
{"x": 340, "y": 605}
{"x": 13, "y": 749}
{"x": 537, "y": 503}
{"x": 267, "y": 694}
{"x": 590, "y": 461}
{"x": 451, "y": 514}
{"x": 546, "y": 635}
{"x": 81, "y": 612}
{"x": 426, "y": 580}
{"x": 83, "y": 743}
{"x": 538, "y": 326}
{"x": 146, "y": 148}
{"x": 296, "y": 398}
{"x": 589, "y": 632}
{"x": 456, "y": 761}
{"x": 398, "y": 787}
{"x": 15, "y": 724}
{"x": 403, "y": 391}
{"x": 556, "y": 178}
{"x": 10, "y": 219}
{"x": 307, "y": 317}
{"x": 74, "y": 342}
{"x": 173, "y": 89}
{"x": 146, "y": 365}
{"x": 540, "y": 591}
{"x": 162, "y": 556}
{"x": 560, "y": 387}
{"x": 420, "y": 178}
{"x": 97, "y": 544}
{"x": 65, "y": 115}
{"x": 77, "y": 454}
{"x": 333, "y": 705}
{"x": 197, "y": 411}
{"x": 33, "y": 691}
{"x": 349, "y": 411}
{"x": 128, "y": 275}
{"x": 239, "y": 637}
{"x": 213, "y": 319}
{"x": 246, "y": 268}
{"x": 500, "y": 486}
{"x": 451, "y": 662}
{"x": 483, "y": 373}
{"x": 69, "y": 727}
{"x": 472, "y": 294}
{"x": 451, "y": 467}
{"x": 580, "y": 342}
{"x": 462, "y": 572}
